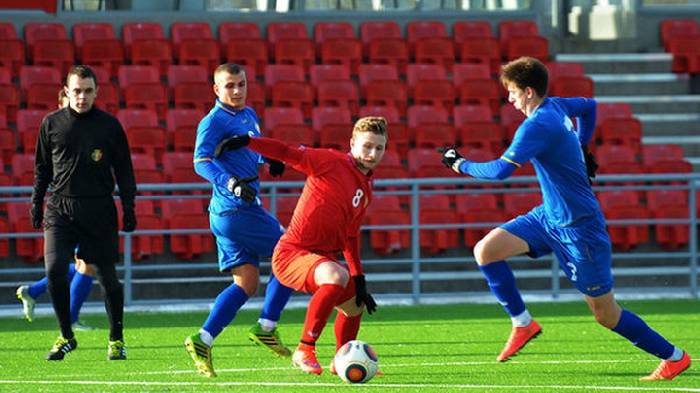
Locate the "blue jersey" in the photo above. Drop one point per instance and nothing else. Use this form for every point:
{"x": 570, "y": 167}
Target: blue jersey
{"x": 220, "y": 123}
{"x": 549, "y": 139}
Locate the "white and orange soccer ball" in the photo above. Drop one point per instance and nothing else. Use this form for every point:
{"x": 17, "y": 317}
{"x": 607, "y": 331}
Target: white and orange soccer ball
{"x": 356, "y": 362}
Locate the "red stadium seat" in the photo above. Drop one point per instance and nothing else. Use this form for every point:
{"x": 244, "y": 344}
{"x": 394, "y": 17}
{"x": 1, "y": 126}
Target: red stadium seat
{"x": 535, "y": 46}
{"x": 435, "y": 209}
{"x": 54, "y": 53}
{"x": 481, "y": 92}
{"x": 144, "y": 246}
{"x": 190, "y": 86}
{"x": 296, "y": 52}
{"x": 5, "y": 76}
{"x": 332, "y": 125}
{"x": 108, "y": 54}
{"x": 389, "y": 51}
{"x": 333, "y": 31}
{"x": 368, "y": 73}
{"x": 386, "y": 210}
{"x": 141, "y": 31}
{"x": 8, "y": 146}
{"x": 7, "y": 31}
{"x": 108, "y": 99}
{"x": 275, "y": 73}
{"x": 179, "y": 74}
{"x": 477, "y": 129}
{"x": 256, "y": 97}
{"x": 675, "y": 28}
{"x": 178, "y": 168}
{"x": 278, "y": 31}
{"x": 31, "y": 250}
{"x": 608, "y": 110}
{"x": 251, "y": 52}
{"x": 557, "y": 69}
{"x": 143, "y": 132}
{"x": 279, "y": 116}
{"x": 28, "y": 123}
{"x": 615, "y": 157}
{"x": 153, "y": 52}
{"x": 285, "y": 209}
{"x": 519, "y": 203}
{"x": 137, "y": 118}
{"x": 481, "y": 51}
{"x": 23, "y": 169}
{"x": 462, "y": 73}
{"x": 438, "y": 51}
{"x": 437, "y": 93}
{"x": 187, "y": 214}
{"x": 4, "y": 243}
{"x": 390, "y": 93}
{"x": 470, "y": 31}
{"x": 288, "y": 87}
{"x": 186, "y": 31}
{"x": 624, "y": 205}
{"x": 431, "y": 126}
{"x": 146, "y": 171}
{"x": 39, "y": 31}
{"x": 511, "y": 119}
{"x": 373, "y": 30}
{"x": 621, "y": 131}
{"x": 686, "y": 54}
{"x": 12, "y": 55}
{"x": 204, "y": 52}
{"x": 425, "y": 162}
{"x": 182, "y": 128}
{"x": 328, "y": 72}
{"x": 420, "y": 29}
{"x": 391, "y": 167}
{"x": 343, "y": 94}
{"x": 572, "y": 86}
{"x": 346, "y": 52}
{"x": 516, "y": 28}
{"x": 137, "y": 74}
{"x": 416, "y": 73}
{"x": 229, "y": 31}
{"x": 9, "y": 101}
{"x": 147, "y": 96}
{"x": 84, "y": 32}
{"x": 478, "y": 209}
{"x": 652, "y": 154}
{"x": 665, "y": 204}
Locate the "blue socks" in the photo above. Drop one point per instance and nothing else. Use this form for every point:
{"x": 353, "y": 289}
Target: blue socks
{"x": 80, "y": 287}
{"x": 276, "y": 297}
{"x": 40, "y": 287}
{"x": 642, "y": 336}
{"x": 226, "y": 305}
{"x": 502, "y": 283}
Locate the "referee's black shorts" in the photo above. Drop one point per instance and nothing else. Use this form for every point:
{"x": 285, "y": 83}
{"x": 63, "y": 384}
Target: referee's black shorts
{"x": 89, "y": 223}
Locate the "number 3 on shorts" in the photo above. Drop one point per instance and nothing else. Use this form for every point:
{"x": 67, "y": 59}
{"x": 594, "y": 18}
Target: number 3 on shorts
{"x": 573, "y": 270}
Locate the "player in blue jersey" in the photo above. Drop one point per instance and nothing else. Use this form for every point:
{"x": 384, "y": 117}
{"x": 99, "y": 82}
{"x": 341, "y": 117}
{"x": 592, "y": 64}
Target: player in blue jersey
{"x": 80, "y": 276}
{"x": 569, "y": 223}
{"x": 244, "y": 230}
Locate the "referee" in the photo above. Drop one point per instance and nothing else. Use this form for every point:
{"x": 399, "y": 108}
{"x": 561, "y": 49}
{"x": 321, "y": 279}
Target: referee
{"x": 80, "y": 151}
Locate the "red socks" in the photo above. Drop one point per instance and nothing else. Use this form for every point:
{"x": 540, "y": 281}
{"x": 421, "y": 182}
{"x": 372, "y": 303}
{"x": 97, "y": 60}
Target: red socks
{"x": 319, "y": 310}
{"x": 346, "y": 328}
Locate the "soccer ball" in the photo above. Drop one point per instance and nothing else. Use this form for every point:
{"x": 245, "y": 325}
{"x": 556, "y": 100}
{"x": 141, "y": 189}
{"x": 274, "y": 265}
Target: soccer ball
{"x": 356, "y": 362}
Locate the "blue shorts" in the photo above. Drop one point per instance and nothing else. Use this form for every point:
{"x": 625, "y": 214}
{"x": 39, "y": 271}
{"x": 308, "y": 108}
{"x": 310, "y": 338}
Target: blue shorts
{"x": 244, "y": 235}
{"x": 583, "y": 249}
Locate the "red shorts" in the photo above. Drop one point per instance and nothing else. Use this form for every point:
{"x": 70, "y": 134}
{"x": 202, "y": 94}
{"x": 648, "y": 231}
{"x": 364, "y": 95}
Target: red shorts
{"x": 294, "y": 267}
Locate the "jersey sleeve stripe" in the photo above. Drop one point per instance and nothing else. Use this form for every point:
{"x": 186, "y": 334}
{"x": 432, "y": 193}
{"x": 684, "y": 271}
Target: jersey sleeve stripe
{"x": 201, "y": 159}
{"x": 506, "y": 159}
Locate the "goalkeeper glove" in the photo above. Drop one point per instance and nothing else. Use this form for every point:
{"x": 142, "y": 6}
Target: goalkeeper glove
{"x": 362, "y": 296}
{"x": 276, "y": 168}
{"x": 233, "y": 143}
{"x": 591, "y": 164}
{"x": 37, "y": 215}
{"x": 451, "y": 157}
{"x": 241, "y": 188}
{"x": 128, "y": 219}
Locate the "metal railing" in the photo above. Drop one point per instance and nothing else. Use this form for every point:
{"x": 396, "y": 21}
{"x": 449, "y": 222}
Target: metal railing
{"x": 416, "y": 268}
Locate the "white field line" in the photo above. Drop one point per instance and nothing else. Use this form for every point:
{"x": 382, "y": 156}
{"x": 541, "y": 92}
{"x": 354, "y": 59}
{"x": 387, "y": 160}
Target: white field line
{"x": 341, "y": 385}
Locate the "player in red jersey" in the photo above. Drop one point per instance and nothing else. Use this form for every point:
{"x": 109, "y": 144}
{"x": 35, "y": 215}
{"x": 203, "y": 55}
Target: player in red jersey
{"x": 326, "y": 221}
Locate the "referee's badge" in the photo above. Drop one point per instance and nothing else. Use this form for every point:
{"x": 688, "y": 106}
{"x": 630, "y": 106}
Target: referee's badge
{"x": 96, "y": 155}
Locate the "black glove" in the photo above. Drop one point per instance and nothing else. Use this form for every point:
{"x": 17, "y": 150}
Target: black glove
{"x": 241, "y": 188}
{"x": 591, "y": 164}
{"x": 362, "y": 296}
{"x": 451, "y": 157}
{"x": 232, "y": 143}
{"x": 276, "y": 168}
{"x": 128, "y": 219}
{"x": 37, "y": 215}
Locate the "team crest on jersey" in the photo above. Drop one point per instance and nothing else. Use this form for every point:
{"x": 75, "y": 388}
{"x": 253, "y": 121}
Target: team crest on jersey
{"x": 96, "y": 155}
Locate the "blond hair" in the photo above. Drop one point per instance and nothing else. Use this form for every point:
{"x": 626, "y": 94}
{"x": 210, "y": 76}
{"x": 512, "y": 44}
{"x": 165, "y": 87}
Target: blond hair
{"x": 374, "y": 124}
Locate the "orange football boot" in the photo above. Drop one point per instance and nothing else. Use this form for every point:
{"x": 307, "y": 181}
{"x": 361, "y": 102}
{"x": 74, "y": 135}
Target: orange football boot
{"x": 669, "y": 369}
{"x": 305, "y": 359}
{"x": 519, "y": 336}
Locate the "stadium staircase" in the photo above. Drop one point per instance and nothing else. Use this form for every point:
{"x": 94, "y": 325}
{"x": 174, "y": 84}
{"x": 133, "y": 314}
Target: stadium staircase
{"x": 662, "y": 100}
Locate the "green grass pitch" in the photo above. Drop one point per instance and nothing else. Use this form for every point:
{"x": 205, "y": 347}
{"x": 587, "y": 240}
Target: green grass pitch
{"x": 443, "y": 348}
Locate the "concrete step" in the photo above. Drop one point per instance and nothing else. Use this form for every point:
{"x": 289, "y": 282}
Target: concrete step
{"x": 686, "y": 103}
{"x": 605, "y": 63}
{"x": 636, "y": 84}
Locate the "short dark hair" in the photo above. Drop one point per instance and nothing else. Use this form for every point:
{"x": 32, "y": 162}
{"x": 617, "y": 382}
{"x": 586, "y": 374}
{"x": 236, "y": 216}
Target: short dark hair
{"x": 526, "y": 72}
{"x": 61, "y": 96}
{"x": 83, "y": 72}
{"x": 231, "y": 68}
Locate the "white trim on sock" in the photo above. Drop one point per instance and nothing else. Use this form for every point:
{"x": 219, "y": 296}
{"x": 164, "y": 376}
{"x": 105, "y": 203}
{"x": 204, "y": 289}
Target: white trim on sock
{"x": 521, "y": 320}
{"x": 267, "y": 325}
{"x": 677, "y": 354}
{"x": 206, "y": 337}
